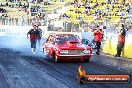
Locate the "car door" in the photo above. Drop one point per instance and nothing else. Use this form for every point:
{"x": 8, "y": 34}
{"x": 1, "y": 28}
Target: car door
{"x": 46, "y": 45}
{"x": 49, "y": 45}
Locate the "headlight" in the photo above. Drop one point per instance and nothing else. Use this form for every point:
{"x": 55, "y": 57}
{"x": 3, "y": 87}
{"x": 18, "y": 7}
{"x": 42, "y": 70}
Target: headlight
{"x": 86, "y": 51}
{"x": 64, "y": 51}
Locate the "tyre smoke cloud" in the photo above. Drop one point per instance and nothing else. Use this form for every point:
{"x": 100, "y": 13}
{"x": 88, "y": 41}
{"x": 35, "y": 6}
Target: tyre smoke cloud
{"x": 19, "y": 44}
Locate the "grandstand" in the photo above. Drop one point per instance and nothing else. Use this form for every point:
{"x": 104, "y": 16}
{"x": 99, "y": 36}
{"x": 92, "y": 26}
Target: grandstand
{"x": 17, "y": 9}
{"x": 98, "y": 11}
{"x": 89, "y": 11}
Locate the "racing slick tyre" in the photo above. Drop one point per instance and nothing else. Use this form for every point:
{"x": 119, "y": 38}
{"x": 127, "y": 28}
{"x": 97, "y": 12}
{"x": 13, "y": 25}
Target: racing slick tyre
{"x": 86, "y": 60}
{"x": 44, "y": 51}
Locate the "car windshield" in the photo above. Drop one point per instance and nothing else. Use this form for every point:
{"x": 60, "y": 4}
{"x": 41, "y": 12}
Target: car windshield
{"x": 63, "y": 38}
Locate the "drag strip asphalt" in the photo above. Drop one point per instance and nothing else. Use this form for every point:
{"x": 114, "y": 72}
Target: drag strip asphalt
{"x": 38, "y": 71}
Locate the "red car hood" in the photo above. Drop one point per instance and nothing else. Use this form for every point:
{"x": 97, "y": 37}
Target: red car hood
{"x": 72, "y": 45}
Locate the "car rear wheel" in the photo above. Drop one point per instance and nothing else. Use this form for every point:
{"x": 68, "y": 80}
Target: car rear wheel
{"x": 45, "y": 53}
{"x": 43, "y": 50}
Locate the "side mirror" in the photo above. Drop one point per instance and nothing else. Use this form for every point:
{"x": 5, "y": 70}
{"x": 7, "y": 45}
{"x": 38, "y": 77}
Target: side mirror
{"x": 47, "y": 40}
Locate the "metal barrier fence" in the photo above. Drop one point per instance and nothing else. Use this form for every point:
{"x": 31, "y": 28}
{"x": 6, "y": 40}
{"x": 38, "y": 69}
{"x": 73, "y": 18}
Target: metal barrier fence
{"x": 23, "y": 21}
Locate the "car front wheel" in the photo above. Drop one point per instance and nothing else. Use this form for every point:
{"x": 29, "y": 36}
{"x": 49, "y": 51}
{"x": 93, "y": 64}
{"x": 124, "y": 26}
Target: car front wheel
{"x": 86, "y": 60}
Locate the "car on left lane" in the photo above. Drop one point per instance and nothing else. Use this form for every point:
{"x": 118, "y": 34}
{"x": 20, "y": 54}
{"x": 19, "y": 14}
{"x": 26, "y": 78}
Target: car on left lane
{"x": 66, "y": 47}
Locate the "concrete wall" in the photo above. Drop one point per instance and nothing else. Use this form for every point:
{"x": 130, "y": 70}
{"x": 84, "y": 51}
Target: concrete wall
{"x": 111, "y": 45}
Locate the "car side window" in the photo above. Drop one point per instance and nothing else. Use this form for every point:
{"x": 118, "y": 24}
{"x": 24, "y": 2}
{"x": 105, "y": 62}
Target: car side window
{"x": 51, "y": 39}
{"x": 60, "y": 39}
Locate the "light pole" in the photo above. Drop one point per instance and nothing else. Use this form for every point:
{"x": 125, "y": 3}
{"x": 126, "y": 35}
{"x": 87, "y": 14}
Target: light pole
{"x": 29, "y": 6}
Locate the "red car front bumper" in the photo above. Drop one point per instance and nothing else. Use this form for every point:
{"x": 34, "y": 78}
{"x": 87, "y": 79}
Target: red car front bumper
{"x": 73, "y": 57}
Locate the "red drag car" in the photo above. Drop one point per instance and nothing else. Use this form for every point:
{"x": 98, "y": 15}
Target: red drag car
{"x": 66, "y": 47}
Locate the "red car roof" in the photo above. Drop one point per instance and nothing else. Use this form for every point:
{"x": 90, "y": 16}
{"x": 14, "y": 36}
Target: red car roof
{"x": 61, "y": 34}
